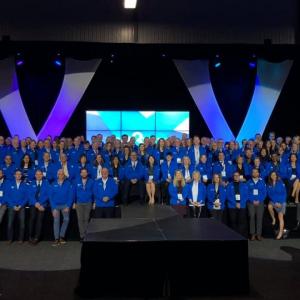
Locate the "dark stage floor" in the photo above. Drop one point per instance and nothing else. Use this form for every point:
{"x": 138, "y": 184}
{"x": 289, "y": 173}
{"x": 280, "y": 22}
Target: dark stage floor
{"x": 44, "y": 272}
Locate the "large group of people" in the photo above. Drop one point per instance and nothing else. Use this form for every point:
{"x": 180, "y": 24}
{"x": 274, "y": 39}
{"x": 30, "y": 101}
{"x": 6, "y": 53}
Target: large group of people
{"x": 199, "y": 177}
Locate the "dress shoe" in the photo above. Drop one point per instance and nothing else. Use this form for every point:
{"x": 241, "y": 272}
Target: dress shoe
{"x": 259, "y": 238}
{"x": 252, "y": 237}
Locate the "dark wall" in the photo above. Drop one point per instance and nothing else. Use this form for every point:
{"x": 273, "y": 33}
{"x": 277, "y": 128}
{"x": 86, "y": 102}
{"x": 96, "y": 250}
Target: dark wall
{"x": 151, "y": 82}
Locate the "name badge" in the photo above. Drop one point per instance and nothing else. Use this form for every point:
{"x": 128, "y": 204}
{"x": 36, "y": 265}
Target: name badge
{"x": 36, "y": 162}
{"x": 1, "y": 193}
{"x": 116, "y": 178}
{"x": 161, "y": 161}
{"x": 293, "y": 177}
{"x": 169, "y": 175}
{"x": 238, "y": 197}
{"x": 180, "y": 197}
{"x": 178, "y": 160}
{"x": 44, "y": 174}
{"x": 223, "y": 173}
{"x": 255, "y": 192}
{"x": 241, "y": 177}
{"x": 150, "y": 177}
{"x": 205, "y": 177}
{"x": 217, "y": 201}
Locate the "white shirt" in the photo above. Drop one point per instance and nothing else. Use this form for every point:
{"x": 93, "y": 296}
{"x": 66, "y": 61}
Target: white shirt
{"x": 99, "y": 175}
{"x": 18, "y": 184}
{"x": 187, "y": 174}
{"x": 104, "y": 183}
{"x": 195, "y": 190}
{"x": 197, "y": 154}
{"x": 134, "y": 164}
{"x": 38, "y": 182}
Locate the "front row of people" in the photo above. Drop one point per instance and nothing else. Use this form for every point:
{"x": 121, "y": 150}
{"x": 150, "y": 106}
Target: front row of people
{"x": 85, "y": 194}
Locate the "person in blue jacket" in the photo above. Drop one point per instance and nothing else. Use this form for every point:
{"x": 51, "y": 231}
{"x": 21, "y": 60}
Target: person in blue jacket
{"x": 256, "y": 196}
{"x": 81, "y": 164}
{"x": 105, "y": 190}
{"x": 178, "y": 151}
{"x": 8, "y": 168}
{"x": 216, "y": 196}
{"x": 187, "y": 169}
{"x": 152, "y": 179}
{"x": 3, "y": 189}
{"x": 48, "y": 168}
{"x": 276, "y": 191}
{"x": 66, "y": 166}
{"x": 27, "y": 168}
{"x": 237, "y": 197}
{"x": 83, "y": 194}
{"x": 196, "y": 151}
{"x": 178, "y": 192}
{"x": 96, "y": 167}
{"x": 134, "y": 175}
{"x": 205, "y": 169}
{"x": 168, "y": 168}
{"x": 38, "y": 196}
{"x": 16, "y": 200}
{"x": 223, "y": 168}
{"x": 75, "y": 152}
{"x": 61, "y": 198}
{"x": 196, "y": 194}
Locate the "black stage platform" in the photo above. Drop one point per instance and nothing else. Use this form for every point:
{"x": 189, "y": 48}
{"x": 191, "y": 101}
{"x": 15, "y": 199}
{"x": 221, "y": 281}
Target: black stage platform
{"x": 155, "y": 252}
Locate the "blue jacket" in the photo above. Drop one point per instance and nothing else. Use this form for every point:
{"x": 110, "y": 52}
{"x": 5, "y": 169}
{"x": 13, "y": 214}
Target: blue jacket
{"x": 61, "y": 195}
{"x": 165, "y": 170}
{"x": 120, "y": 172}
{"x": 277, "y": 193}
{"x": 205, "y": 169}
{"x": 74, "y": 154}
{"x": 178, "y": 154}
{"x": 218, "y": 169}
{"x": 191, "y": 170}
{"x": 137, "y": 173}
{"x": 231, "y": 155}
{"x": 246, "y": 169}
{"x": 28, "y": 175}
{"x": 174, "y": 199}
{"x": 156, "y": 174}
{"x": 110, "y": 191}
{"x": 33, "y": 156}
{"x": 16, "y": 155}
{"x": 231, "y": 196}
{"x": 212, "y": 196}
{"x": 201, "y": 192}
{"x": 71, "y": 170}
{"x": 9, "y": 171}
{"x": 43, "y": 197}
{"x": 3, "y": 191}
{"x": 271, "y": 167}
{"x": 77, "y": 169}
{"x": 14, "y": 196}
{"x": 287, "y": 172}
{"x": 191, "y": 154}
{"x": 262, "y": 171}
{"x": 256, "y": 191}
{"x": 50, "y": 173}
{"x": 83, "y": 194}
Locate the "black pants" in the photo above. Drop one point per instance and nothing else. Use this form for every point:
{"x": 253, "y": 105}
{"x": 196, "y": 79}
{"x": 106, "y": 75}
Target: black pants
{"x": 35, "y": 223}
{"x": 238, "y": 220}
{"x": 11, "y": 218}
{"x": 165, "y": 197}
{"x": 216, "y": 214}
{"x": 197, "y": 212}
{"x": 104, "y": 212}
{"x": 126, "y": 189}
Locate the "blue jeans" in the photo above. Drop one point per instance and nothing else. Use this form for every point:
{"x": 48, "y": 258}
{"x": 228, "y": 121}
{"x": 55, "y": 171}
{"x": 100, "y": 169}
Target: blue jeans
{"x": 61, "y": 232}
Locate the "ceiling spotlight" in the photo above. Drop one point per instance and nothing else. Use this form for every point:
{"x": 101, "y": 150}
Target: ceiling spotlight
{"x": 130, "y": 4}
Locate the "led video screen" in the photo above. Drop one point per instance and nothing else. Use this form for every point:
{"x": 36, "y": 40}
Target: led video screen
{"x": 139, "y": 124}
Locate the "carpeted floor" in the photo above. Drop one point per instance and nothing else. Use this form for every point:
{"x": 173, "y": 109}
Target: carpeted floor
{"x": 44, "y": 272}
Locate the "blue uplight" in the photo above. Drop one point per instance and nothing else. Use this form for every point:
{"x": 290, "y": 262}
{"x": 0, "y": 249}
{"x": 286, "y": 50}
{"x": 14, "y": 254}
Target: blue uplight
{"x": 58, "y": 62}
{"x": 217, "y": 65}
{"x": 20, "y": 62}
{"x": 252, "y": 65}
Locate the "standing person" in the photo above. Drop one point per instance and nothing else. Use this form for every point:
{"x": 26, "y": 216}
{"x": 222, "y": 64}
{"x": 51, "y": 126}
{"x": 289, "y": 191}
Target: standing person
{"x": 256, "y": 196}
{"x": 16, "y": 200}
{"x": 38, "y": 195}
{"x": 3, "y": 200}
{"x": 216, "y": 196}
{"x": 151, "y": 175}
{"x": 61, "y": 201}
{"x": 178, "y": 193}
{"x": 196, "y": 193}
{"x": 83, "y": 192}
{"x": 277, "y": 194}
{"x": 105, "y": 190}
{"x": 237, "y": 196}
{"x": 134, "y": 174}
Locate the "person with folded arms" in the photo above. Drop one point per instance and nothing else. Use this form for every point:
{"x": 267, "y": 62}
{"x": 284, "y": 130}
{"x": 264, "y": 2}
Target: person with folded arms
{"x": 187, "y": 169}
{"x": 256, "y": 196}
{"x": 105, "y": 190}
{"x": 38, "y": 195}
{"x": 216, "y": 196}
{"x": 276, "y": 191}
{"x": 196, "y": 196}
{"x": 237, "y": 196}
{"x": 16, "y": 201}
{"x": 61, "y": 198}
